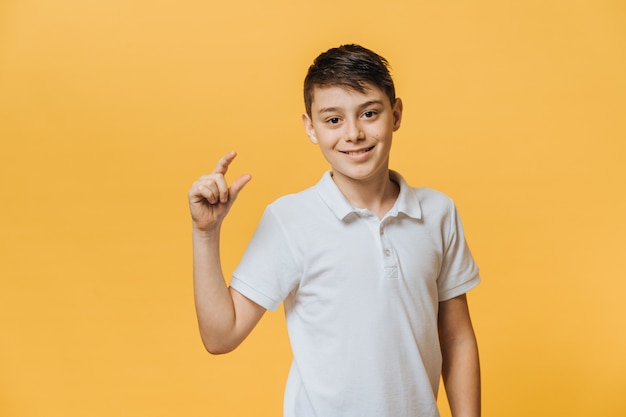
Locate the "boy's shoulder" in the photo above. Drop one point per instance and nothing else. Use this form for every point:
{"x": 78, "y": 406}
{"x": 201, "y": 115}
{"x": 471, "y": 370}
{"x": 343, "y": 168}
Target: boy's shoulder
{"x": 298, "y": 201}
{"x": 315, "y": 202}
{"x": 295, "y": 198}
{"x": 427, "y": 195}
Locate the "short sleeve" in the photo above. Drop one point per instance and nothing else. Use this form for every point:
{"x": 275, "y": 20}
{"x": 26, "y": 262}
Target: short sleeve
{"x": 459, "y": 272}
{"x": 268, "y": 271}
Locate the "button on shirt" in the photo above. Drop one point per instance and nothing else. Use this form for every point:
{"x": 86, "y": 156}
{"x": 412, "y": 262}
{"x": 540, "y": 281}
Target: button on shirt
{"x": 361, "y": 296}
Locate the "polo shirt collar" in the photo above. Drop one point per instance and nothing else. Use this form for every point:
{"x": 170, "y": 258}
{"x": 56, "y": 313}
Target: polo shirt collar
{"x": 406, "y": 203}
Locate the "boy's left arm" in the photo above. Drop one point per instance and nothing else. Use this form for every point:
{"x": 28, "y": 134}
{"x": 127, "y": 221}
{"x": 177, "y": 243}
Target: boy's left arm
{"x": 461, "y": 368}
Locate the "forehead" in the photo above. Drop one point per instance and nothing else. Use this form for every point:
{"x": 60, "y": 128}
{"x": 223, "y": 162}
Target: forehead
{"x": 341, "y": 96}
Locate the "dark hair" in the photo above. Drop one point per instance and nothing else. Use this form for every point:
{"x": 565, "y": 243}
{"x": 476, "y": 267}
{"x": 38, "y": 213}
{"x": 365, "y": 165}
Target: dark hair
{"x": 349, "y": 66}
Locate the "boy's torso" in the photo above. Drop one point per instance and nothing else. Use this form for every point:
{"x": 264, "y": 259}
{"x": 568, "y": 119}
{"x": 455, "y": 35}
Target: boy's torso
{"x": 361, "y": 298}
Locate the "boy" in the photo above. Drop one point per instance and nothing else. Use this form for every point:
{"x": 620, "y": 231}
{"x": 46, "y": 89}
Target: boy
{"x": 372, "y": 273}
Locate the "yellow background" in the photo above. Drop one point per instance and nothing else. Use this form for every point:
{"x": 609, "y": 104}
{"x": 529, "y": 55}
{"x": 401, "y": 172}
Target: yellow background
{"x": 109, "y": 110}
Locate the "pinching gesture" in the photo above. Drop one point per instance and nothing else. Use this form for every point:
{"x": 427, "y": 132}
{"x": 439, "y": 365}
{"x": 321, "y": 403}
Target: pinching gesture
{"x": 210, "y": 197}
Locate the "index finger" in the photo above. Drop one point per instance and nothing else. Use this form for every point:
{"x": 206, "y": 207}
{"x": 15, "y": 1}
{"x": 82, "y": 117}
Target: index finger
{"x": 224, "y": 162}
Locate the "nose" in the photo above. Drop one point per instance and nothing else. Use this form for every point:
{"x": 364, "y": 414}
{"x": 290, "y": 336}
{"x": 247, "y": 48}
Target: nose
{"x": 354, "y": 132}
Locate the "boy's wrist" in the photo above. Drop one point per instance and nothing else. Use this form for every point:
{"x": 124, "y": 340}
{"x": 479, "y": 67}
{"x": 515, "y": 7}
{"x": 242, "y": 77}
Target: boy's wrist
{"x": 205, "y": 233}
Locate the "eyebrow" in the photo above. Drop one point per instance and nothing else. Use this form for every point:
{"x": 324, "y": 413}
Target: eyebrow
{"x": 362, "y": 106}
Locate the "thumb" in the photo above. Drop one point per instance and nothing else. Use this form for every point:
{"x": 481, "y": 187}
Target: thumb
{"x": 238, "y": 185}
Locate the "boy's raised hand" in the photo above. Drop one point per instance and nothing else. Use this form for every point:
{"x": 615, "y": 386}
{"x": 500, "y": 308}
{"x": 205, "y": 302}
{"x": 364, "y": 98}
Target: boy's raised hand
{"x": 210, "y": 197}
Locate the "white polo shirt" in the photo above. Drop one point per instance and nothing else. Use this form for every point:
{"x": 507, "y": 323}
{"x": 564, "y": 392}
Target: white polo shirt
{"x": 361, "y": 297}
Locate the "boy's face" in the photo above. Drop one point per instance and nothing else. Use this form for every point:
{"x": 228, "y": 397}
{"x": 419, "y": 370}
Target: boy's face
{"x": 353, "y": 130}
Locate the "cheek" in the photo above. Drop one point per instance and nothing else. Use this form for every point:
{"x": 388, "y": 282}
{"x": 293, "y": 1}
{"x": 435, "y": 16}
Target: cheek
{"x": 327, "y": 141}
{"x": 377, "y": 132}
{"x": 377, "y": 135}
{"x": 383, "y": 134}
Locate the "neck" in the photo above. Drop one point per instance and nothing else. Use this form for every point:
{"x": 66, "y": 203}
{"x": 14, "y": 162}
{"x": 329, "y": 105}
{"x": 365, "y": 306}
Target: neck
{"x": 377, "y": 194}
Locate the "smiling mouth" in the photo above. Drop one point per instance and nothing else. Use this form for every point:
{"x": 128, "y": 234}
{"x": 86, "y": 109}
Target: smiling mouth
{"x": 359, "y": 152}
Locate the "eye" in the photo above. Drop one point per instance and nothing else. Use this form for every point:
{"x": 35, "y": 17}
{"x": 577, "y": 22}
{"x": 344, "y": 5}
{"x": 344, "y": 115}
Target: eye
{"x": 369, "y": 114}
{"x": 333, "y": 120}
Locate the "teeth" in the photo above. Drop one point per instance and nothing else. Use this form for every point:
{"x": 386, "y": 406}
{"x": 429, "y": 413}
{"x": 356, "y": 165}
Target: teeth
{"x": 358, "y": 152}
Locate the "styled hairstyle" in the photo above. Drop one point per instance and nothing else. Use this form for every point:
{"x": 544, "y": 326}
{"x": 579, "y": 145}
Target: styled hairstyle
{"x": 349, "y": 66}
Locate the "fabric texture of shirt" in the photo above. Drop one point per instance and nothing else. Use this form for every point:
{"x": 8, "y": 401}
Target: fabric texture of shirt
{"x": 361, "y": 296}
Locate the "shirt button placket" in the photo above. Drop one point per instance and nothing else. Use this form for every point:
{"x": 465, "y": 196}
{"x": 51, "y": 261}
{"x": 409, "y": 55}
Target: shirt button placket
{"x": 391, "y": 269}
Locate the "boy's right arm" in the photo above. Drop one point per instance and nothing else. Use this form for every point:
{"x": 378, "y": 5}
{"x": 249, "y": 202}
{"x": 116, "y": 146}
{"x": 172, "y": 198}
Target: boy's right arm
{"x": 225, "y": 317}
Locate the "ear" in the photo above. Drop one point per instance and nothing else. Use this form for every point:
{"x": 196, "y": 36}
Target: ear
{"x": 308, "y": 126}
{"x": 397, "y": 114}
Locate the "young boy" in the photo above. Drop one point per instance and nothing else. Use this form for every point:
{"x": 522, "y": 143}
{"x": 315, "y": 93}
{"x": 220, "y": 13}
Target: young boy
{"x": 372, "y": 273}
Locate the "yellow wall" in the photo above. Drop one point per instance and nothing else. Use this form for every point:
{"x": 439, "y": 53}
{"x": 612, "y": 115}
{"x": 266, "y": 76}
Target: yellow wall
{"x": 110, "y": 109}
